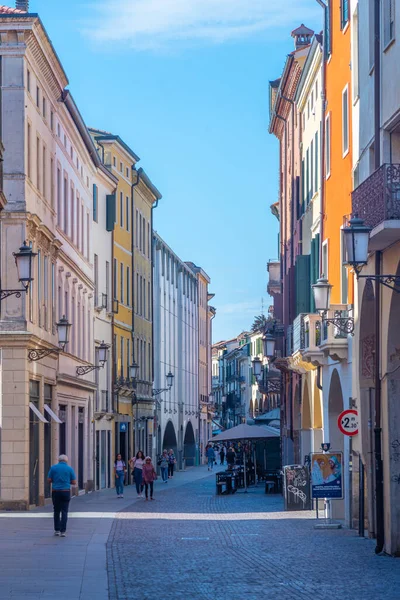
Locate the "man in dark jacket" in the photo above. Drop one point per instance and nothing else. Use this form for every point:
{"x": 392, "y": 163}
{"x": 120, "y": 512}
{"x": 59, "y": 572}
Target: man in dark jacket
{"x": 61, "y": 477}
{"x": 231, "y": 457}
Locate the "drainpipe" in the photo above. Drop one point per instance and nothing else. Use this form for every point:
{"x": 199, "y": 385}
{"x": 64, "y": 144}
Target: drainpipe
{"x": 380, "y": 527}
{"x": 322, "y": 140}
{"x": 319, "y": 379}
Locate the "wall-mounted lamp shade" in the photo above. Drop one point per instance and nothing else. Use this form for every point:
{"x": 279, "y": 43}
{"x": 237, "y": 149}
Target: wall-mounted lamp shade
{"x": 257, "y": 365}
{"x": 170, "y": 379}
{"x": 322, "y": 295}
{"x": 103, "y": 352}
{"x": 133, "y": 370}
{"x": 269, "y": 342}
{"x": 24, "y": 261}
{"x": 356, "y": 238}
{"x": 63, "y": 328}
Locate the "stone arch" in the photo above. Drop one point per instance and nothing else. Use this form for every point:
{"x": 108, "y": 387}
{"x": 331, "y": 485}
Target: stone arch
{"x": 169, "y": 438}
{"x": 317, "y": 407}
{"x": 306, "y": 408}
{"x": 297, "y": 423}
{"x": 335, "y": 407}
{"x": 265, "y": 409}
{"x": 256, "y": 412}
{"x": 391, "y": 433}
{"x": 251, "y": 409}
{"x": 189, "y": 446}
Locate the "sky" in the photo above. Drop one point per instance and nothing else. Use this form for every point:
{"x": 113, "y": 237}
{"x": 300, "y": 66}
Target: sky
{"x": 185, "y": 84}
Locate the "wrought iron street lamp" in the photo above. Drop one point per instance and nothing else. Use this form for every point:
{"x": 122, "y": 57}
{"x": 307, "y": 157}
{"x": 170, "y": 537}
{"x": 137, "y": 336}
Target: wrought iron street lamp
{"x": 63, "y": 327}
{"x": 103, "y": 354}
{"x": 322, "y": 298}
{"x": 24, "y": 263}
{"x": 170, "y": 381}
{"x": 356, "y": 237}
{"x": 269, "y": 343}
{"x": 257, "y": 366}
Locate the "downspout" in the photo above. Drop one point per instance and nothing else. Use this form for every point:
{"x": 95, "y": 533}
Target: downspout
{"x": 152, "y": 288}
{"x": 319, "y": 382}
{"x": 133, "y": 185}
{"x": 322, "y": 140}
{"x": 379, "y": 492}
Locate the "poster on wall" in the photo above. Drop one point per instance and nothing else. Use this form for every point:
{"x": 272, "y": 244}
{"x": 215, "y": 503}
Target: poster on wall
{"x": 297, "y": 487}
{"x": 327, "y": 475}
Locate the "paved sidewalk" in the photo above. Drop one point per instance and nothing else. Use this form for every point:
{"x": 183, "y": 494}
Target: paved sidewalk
{"x": 37, "y": 565}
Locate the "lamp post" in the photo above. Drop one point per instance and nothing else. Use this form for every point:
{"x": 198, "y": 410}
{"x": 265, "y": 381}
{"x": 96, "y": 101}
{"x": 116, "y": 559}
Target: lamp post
{"x": 269, "y": 343}
{"x": 322, "y": 298}
{"x": 257, "y": 367}
{"x": 103, "y": 353}
{"x": 63, "y": 327}
{"x": 24, "y": 263}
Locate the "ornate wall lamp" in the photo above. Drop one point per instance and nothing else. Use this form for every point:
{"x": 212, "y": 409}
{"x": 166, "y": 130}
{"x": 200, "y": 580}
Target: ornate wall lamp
{"x": 103, "y": 352}
{"x": 24, "y": 262}
{"x": 322, "y": 298}
{"x": 63, "y": 328}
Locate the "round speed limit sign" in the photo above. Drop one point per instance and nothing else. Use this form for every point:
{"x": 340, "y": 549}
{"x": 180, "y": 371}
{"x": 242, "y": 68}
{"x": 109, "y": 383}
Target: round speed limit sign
{"x": 348, "y": 422}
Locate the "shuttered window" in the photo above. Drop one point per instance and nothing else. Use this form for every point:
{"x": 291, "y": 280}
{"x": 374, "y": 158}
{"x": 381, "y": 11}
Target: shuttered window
{"x": 110, "y": 212}
{"x": 314, "y": 268}
{"x": 95, "y": 217}
{"x": 303, "y": 284}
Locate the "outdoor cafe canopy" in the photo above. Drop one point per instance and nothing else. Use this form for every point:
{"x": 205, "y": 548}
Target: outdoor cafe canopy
{"x": 246, "y": 432}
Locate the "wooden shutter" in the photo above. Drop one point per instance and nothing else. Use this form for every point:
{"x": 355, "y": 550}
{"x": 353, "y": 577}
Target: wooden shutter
{"x": 94, "y": 202}
{"x": 110, "y": 212}
{"x": 303, "y": 284}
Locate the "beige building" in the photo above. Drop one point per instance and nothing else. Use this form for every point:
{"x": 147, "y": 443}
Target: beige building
{"x": 50, "y": 167}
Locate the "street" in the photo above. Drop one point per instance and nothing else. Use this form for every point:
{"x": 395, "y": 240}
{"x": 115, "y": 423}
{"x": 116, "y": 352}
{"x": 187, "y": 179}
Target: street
{"x": 188, "y": 543}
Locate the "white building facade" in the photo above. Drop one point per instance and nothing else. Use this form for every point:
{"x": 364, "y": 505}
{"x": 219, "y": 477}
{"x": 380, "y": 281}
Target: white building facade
{"x": 176, "y": 350}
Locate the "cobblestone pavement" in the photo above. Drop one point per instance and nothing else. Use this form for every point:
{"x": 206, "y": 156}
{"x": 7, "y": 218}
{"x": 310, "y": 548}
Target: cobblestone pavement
{"x": 191, "y": 544}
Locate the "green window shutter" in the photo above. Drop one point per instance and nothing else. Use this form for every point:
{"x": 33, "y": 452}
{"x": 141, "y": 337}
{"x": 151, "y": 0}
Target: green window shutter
{"x": 303, "y": 284}
{"x": 259, "y": 348}
{"x": 95, "y": 202}
{"x": 248, "y": 349}
{"x": 110, "y": 212}
{"x": 316, "y": 161}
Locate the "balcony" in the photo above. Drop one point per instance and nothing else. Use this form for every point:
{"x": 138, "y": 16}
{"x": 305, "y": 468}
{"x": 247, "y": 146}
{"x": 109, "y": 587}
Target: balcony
{"x": 334, "y": 343}
{"x": 377, "y": 201}
{"x": 297, "y": 362}
{"x": 274, "y": 281}
{"x": 312, "y": 340}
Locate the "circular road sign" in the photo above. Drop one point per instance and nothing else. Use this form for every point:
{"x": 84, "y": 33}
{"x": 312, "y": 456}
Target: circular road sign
{"x": 348, "y": 422}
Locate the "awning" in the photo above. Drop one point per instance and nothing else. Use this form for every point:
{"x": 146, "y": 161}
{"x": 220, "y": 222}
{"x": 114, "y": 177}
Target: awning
{"x": 246, "y": 432}
{"x": 37, "y": 413}
{"x": 52, "y": 414}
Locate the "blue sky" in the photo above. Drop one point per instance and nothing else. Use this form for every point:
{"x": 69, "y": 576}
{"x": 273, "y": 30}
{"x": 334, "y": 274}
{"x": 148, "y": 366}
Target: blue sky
{"x": 185, "y": 84}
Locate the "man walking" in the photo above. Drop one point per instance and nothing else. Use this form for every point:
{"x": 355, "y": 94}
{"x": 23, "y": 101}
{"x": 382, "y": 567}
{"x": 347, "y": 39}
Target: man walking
{"x": 211, "y": 457}
{"x": 61, "y": 477}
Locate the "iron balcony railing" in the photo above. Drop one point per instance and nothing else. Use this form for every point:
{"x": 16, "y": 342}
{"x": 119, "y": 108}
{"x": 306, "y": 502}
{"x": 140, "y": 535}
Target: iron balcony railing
{"x": 329, "y": 330}
{"x": 377, "y": 198}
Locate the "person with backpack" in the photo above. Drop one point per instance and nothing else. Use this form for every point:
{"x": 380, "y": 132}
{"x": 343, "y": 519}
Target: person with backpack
{"x": 163, "y": 464}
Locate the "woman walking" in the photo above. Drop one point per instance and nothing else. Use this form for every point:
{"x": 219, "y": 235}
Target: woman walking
{"x": 136, "y": 464}
{"x": 149, "y": 477}
{"x": 119, "y": 471}
{"x": 171, "y": 463}
{"x": 163, "y": 464}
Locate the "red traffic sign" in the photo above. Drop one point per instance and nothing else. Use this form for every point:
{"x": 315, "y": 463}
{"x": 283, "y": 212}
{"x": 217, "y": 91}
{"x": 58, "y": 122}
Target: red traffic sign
{"x": 348, "y": 422}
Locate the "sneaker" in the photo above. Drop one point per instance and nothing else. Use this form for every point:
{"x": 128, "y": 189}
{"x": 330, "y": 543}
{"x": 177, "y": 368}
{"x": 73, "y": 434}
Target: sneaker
{"x": 121, "y": 496}
{"x": 63, "y": 534}
{"x": 57, "y": 533}
{"x": 151, "y": 498}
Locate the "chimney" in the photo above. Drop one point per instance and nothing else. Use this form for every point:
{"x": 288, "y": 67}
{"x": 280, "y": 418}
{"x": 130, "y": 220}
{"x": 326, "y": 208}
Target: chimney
{"x": 302, "y": 36}
{"x": 22, "y": 5}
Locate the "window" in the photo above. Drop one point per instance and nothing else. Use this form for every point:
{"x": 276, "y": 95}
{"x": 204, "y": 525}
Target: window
{"x": 344, "y": 281}
{"x": 312, "y": 100}
{"x": 148, "y": 301}
{"x": 307, "y": 194}
{"x": 58, "y": 130}
{"x": 121, "y": 283}
{"x": 316, "y": 170}
{"x": 87, "y": 236}
{"x": 82, "y": 230}
{"x": 128, "y": 286}
{"x": 136, "y": 229}
{"x": 59, "y": 198}
{"x": 328, "y": 145}
{"x": 127, "y": 172}
{"x": 78, "y": 221}
{"x": 51, "y": 120}
{"x": 37, "y": 96}
{"x": 39, "y": 285}
{"x": 115, "y": 279}
{"x": 316, "y": 90}
{"x": 388, "y": 21}
{"x": 345, "y": 120}
{"x": 95, "y": 217}
{"x": 121, "y": 209}
{"x": 44, "y": 163}
{"x": 96, "y": 280}
{"x": 344, "y": 13}
{"x": 66, "y": 205}
{"x": 308, "y": 109}
{"x": 371, "y": 33}
{"x": 52, "y": 182}
{"x": 121, "y": 167}
{"x": 38, "y": 163}
{"x": 71, "y": 150}
{"x": 28, "y": 80}
{"x": 45, "y": 290}
{"x": 144, "y": 297}
{"x": 327, "y": 29}
{"x": 114, "y": 161}
{"x": 122, "y": 357}
{"x": 355, "y": 56}
{"x": 149, "y": 241}
{"x": 127, "y": 213}
{"x": 65, "y": 140}
{"x": 44, "y": 107}
{"x": 128, "y": 354}
{"x": 312, "y": 168}
{"x": 72, "y": 209}
{"x": 53, "y": 296}
{"x": 324, "y": 271}
{"x": 144, "y": 237}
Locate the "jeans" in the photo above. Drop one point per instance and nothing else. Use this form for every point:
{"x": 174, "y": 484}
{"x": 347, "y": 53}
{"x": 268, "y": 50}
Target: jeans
{"x": 210, "y": 463}
{"x": 119, "y": 482}
{"x": 222, "y": 458}
{"x": 146, "y": 488}
{"x": 171, "y": 469}
{"x": 164, "y": 473}
{"x": 60, "y": 504}
{"x": 137, "y": 475}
